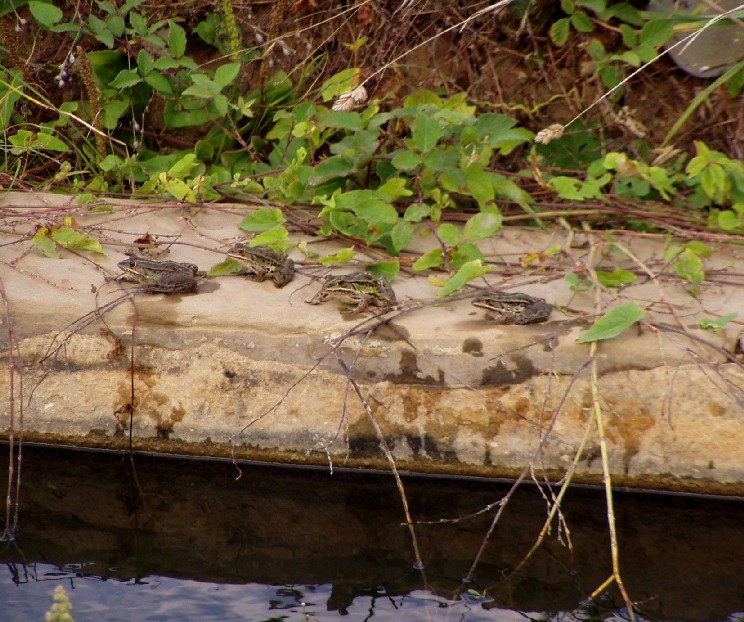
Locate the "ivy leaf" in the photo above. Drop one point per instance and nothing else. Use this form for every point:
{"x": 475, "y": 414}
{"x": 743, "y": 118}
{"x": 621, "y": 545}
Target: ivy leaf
{"x": 614, "y": 322}
{"x": 229, "y": 266}
{"x": 469, "y": 271}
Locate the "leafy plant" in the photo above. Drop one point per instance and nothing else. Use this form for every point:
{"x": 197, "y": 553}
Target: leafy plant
{"x": 613, "y": 323}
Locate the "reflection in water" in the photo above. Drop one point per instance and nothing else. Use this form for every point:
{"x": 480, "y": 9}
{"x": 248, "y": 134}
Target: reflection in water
{"x": 187, "y": 540}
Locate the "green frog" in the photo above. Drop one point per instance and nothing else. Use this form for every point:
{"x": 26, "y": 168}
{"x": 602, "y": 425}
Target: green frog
{"x": 262, "y": 262}
{"x": 160, "y": 277}
{"x": 515, "y": 308}
{"x": 358, "y": 288}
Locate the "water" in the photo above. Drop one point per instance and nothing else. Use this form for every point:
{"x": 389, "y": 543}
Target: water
{"x": 185, "y": 540}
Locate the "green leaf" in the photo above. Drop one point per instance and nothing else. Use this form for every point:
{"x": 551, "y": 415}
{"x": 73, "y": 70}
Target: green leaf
{"x": 376, "y": 211}
{"x": 577, "y": 283}
{"x": 482, "y": 225}
{"x": 345, "y": 255}
{"x": 595, "y": 5}
{"x": 113, "y": 110}
{"x": 177, "y": 188}
{"x": 699, "y": 248}
{"x": 581, "y": 22}
{"x": 341, "y": 82}
{"x": 97, "y": 25}
{"x": 406, "y": 160}
{"x": 416, "y": 212}
{"x": 463, "y": 253}
{"x": 226, "y": 74}
{"x": 220, "y": 104}
{"x": 274, "y": 237}
{"x": 480, "y": 185}
{"x": 689, "y": 266}
{"x": 115, "y": 24}
{"x": 69, "y": 238}
{"x": 656, "y": 32}
{"x": 144, "y": 62}
{"x": 45, "y": 244}
{"x": 728, "y": 220}
{"x": 559, "y": 31}
{"x": 449, "y": 234}
{"x": 718, "y": 323}
{"x": 162, "y": 84}
{"x": 138, "y": 24}
{"x": 331, "y": 168}
{"x": 614, "y": 322}
{"x": 262, "y": 219}
{"x": 387, "y": 269}
{"x": 176, "y": 39}
{"x": 25, "y": 140}
{"x": 229, "y": 266}
{"x": 394, "y": 188}
{"x": 183, "y": 167}
{"x": 203, "y": 88}
{"x": 45, "y": 13}
{"x": 426, "y": 132}
{"x": 401, "y": 235}
{"x": 430, "y": 259}
{"x": 616, "y": 278}
{"x": 469, "y": 271}
{"x": 126, "y": 78}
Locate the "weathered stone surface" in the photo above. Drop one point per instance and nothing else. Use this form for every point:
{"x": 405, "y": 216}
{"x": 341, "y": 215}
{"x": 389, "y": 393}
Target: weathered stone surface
{"x": 242, "y": 368}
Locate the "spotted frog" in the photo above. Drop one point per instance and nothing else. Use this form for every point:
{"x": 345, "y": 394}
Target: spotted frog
{"x": 515, "y": 308}
{"x": 362, "y": 289}
{"x": 160, "y": 277}
{"x": 262, "y": 262}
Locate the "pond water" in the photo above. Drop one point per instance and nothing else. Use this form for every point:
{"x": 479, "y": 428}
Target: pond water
{"x": 145, "y": 538}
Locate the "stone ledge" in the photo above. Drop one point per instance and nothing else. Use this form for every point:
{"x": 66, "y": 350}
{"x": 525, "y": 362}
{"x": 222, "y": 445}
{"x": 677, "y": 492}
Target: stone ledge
{"x": 243, "y": 368}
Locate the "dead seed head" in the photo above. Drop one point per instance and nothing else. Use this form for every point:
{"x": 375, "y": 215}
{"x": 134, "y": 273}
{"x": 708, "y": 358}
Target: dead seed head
{"x": 550, "y": 133}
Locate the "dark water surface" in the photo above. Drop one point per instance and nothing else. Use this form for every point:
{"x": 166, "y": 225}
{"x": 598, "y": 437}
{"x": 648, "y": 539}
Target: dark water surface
{"x": 184, "y": 540}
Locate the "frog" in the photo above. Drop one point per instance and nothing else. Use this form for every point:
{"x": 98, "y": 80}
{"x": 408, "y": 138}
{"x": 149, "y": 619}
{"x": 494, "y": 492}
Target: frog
{"x": 514, "y": 308}
{"x": 362, "y": 289}
{"x": 262, "y": 262}
{"x": 160, "y": 277}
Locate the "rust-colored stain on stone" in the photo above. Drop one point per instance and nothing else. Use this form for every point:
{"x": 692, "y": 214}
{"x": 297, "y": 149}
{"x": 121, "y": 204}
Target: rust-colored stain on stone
{"x": 156, "y": 405}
